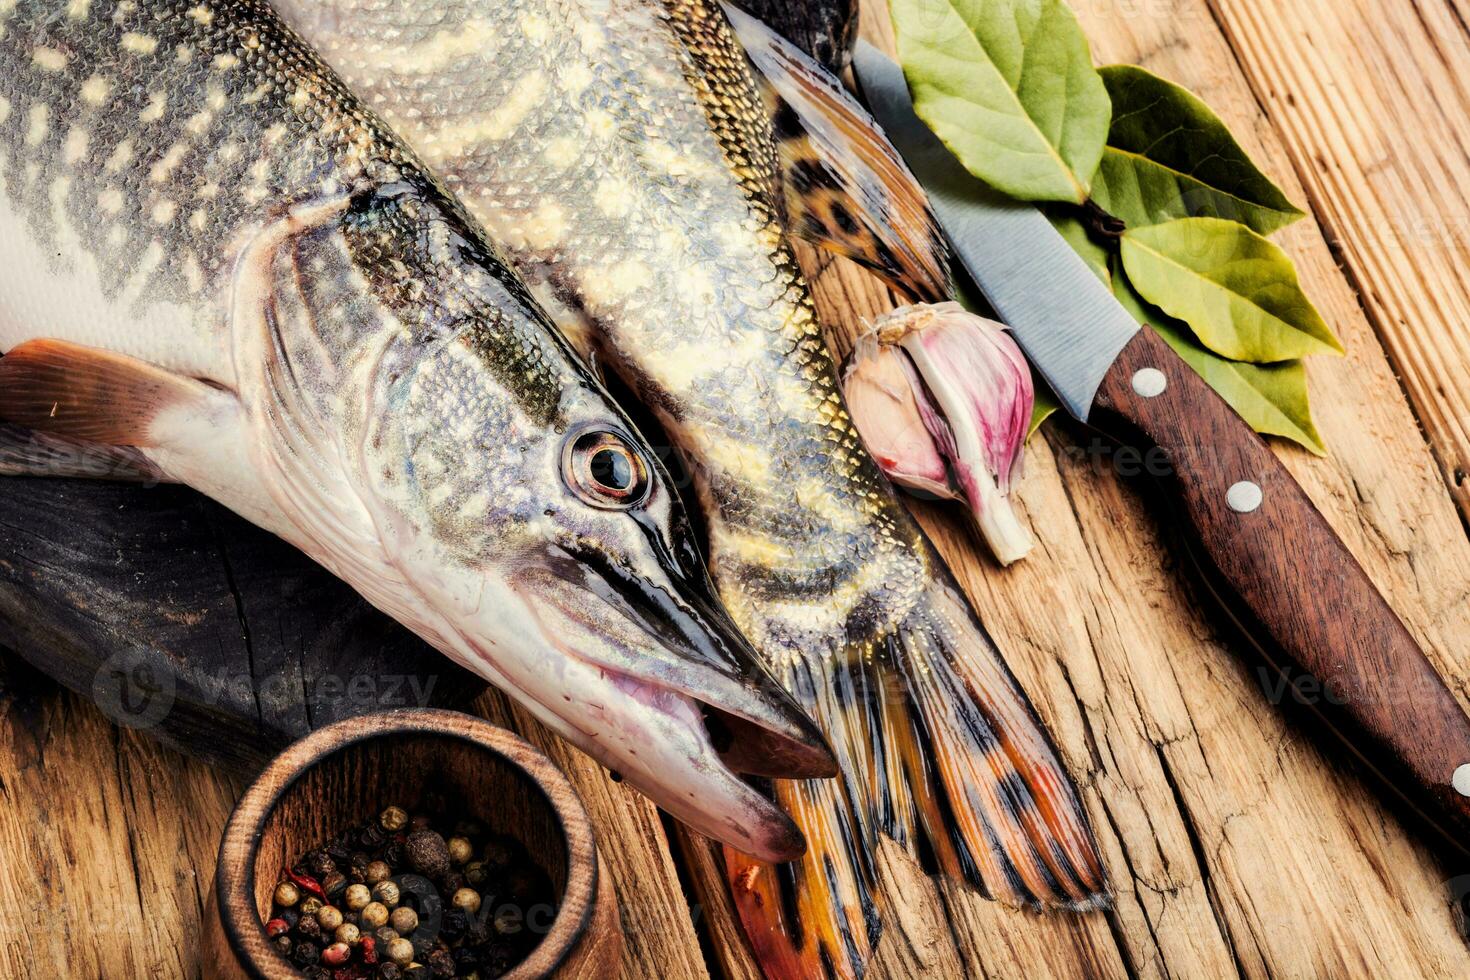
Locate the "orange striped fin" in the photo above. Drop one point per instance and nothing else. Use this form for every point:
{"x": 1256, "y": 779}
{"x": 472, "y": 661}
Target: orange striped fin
{"x": 936, "y": 743}
{"x": 812, "y": 918}
{"x": 989, "y": 786}
{"x": 846, "y": 188}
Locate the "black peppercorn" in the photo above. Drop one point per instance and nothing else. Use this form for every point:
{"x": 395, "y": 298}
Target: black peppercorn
{"x": 310, "y": 927}
{"x": 477, "y": 933}
{"x": 306, "y": 953}
{"x": 451, "y": 882}
{"x": 388, "y": 970}
{"x": 393, "y": 852}
{"x": 289, "y": 916}
{"x": 373, "y": 837}
{"x": 320, "y": 864}
{"x": 453, "y": 924}
{"x": 466, "y": 959}
{"x": 427, "y": 853}
{"x": 417, "y": 972}
{"x": 441, "y": 963}
{"x": 282, "y": 945}
{"x": 423, "y": 946}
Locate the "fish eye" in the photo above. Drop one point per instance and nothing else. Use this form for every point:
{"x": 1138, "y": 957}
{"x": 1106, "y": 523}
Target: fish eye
{"x": 604, "y": 470}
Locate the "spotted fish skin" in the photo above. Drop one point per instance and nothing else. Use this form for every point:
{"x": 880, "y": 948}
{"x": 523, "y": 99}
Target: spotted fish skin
{"x": 214, "y": 253}
{"x": 619, "y": 149}
{"x": 576, "y": 132}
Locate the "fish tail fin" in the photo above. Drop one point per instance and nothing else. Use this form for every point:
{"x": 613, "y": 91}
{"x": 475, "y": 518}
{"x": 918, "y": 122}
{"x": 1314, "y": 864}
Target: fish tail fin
{"x": 814, "y": 917}
{"x": 990, "y": 793}
{"x": 934, "y": 739}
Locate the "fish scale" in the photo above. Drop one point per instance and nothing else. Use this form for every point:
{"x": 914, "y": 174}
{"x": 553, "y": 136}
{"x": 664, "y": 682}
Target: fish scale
{"x": 217, "y": 266}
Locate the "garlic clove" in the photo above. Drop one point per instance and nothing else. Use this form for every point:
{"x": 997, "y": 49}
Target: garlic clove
{"x": 883, "y": 392}
{"x": 981, "y": 383}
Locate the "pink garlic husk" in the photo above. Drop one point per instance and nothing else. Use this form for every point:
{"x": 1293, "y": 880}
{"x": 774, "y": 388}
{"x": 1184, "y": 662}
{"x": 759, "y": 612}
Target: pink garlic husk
{"x": 943, "y": 399}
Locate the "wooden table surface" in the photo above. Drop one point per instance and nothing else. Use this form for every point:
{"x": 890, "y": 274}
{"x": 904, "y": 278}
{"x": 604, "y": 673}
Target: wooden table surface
{"x": 1237, "y": 845}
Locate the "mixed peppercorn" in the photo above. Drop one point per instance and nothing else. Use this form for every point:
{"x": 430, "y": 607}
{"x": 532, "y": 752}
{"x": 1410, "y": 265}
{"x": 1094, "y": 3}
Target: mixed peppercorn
{"x": 395, "y": 899}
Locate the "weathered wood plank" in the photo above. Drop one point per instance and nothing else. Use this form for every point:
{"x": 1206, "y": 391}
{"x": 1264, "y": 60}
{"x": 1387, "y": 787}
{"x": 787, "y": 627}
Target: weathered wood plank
{"x": 1370, "y": 101}
{"x": 107, "y": 839}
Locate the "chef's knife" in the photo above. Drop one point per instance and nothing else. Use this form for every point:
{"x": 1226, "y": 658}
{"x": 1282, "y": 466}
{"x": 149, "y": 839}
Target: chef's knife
{"x": 1266, "y": 551}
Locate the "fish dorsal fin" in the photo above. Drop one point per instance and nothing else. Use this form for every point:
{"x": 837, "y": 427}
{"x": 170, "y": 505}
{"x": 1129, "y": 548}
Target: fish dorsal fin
{"x": 847, "y": 189}
{"x": 90, "y": 395}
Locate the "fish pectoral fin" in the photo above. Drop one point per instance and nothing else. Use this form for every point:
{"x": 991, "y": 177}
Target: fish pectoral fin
{"x": 847, "y": 189}
{"x": 76, "y": 411}
{"x": 93, "y": 396}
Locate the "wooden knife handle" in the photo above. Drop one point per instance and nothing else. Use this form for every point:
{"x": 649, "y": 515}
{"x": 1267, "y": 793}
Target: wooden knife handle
{"x": 1290, "y": 582}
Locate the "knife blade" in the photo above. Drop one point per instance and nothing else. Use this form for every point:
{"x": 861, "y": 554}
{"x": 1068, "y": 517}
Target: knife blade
{"x": 1265, "y": 551}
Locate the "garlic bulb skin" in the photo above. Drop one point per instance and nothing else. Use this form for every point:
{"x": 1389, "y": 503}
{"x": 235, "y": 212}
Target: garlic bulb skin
{"x": 970, "y": 388}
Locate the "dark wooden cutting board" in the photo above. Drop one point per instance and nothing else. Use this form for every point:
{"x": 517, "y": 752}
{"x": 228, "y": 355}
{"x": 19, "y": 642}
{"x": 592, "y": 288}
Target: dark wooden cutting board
{"x": 176, "y": 616}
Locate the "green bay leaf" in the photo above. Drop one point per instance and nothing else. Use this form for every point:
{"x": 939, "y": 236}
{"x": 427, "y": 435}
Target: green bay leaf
{"x": 1238, "y": 291}
{"x": 1045, "y": 406}
{"x": 1010, "y": 88}
{"x": 1271, "y": 398}
{"x": 1169, "y": 156}
{"x": 1075, "y": 232}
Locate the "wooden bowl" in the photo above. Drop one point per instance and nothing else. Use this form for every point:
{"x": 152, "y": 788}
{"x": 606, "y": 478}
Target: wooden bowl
{"x": 432, "y": 760}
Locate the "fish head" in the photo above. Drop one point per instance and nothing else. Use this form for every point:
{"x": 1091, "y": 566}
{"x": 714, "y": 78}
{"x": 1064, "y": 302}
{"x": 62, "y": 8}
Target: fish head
{"x": 544, "y": 545}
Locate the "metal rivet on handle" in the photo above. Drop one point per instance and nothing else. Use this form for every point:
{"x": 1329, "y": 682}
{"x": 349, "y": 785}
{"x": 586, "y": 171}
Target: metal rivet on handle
{"x": 1149, "y": 382}
{"x": 1461, "y": 780}
{"x": 1243, "y": 497}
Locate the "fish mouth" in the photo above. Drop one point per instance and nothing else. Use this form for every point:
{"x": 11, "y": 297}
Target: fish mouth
{"x": 665, "y": 690}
